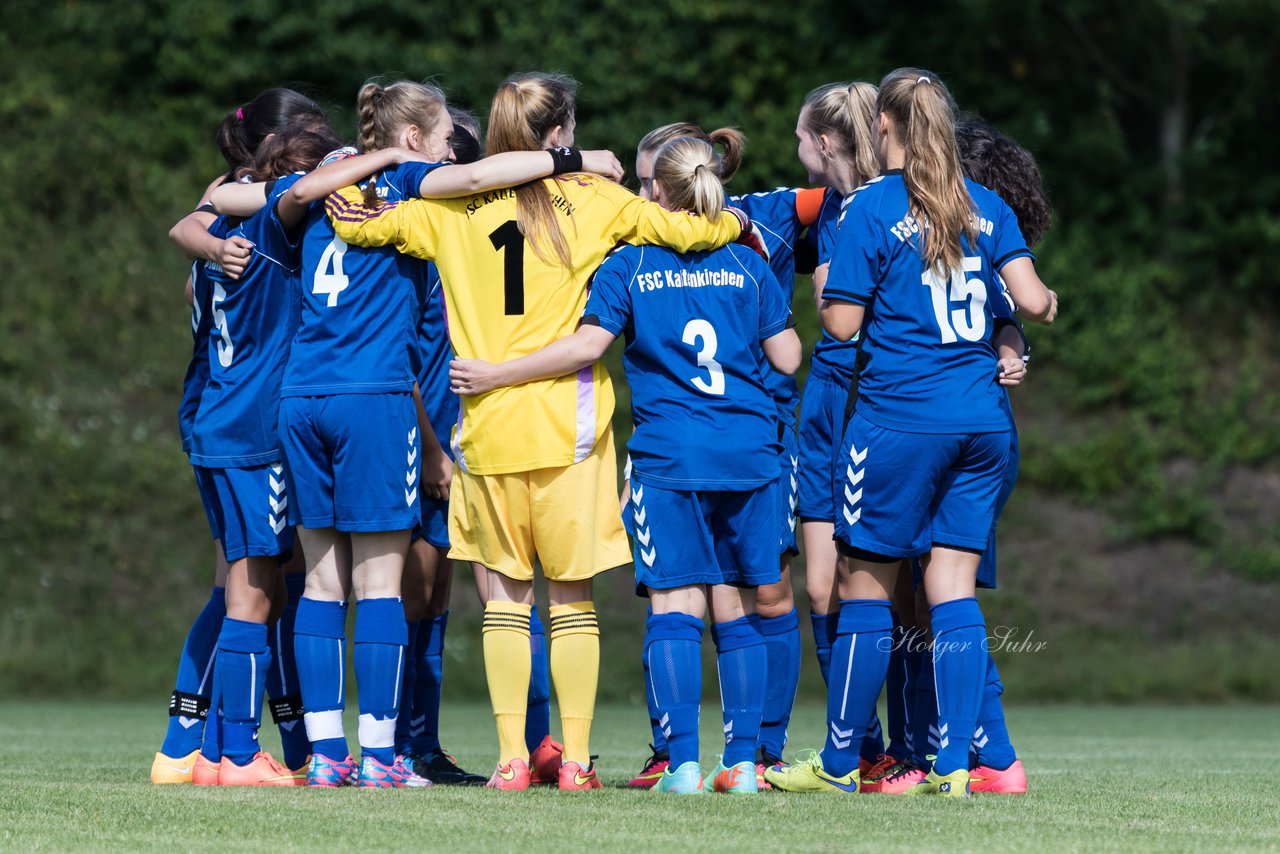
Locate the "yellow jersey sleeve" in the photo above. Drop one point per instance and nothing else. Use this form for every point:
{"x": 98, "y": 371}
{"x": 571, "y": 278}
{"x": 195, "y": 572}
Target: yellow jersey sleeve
{"x": 636, "y": 220}
{"x": 412, "y": 226}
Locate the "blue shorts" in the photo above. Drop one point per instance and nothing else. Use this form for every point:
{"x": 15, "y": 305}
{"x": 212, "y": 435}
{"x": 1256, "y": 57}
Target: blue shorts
{"x": 683, "y": 538}
{"x": 251, "y": 506}
{"x": 987, "y": 568}
{"x": 433, "y": 524}
{"x": 788, "y": 492}
{"x": 208, "y": 499}
{"x": 354, "y": 460}
{"x": 903, "y": 493}
{"x": 821, "y": 426}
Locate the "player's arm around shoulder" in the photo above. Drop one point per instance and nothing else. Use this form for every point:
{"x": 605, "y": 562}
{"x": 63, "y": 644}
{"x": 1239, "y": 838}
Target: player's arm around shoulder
{"x": 631, "y": 219}
{"x": 411, "y": 226}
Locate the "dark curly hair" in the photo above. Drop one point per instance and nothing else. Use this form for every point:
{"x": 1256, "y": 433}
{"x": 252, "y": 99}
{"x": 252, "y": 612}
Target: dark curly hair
{"x": 998, "y": 163}
{"x": 298, "y": 147}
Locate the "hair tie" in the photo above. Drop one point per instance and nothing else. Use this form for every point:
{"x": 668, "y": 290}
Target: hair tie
{"x": 240, "y": 113}
{"x": 922, "y": 79}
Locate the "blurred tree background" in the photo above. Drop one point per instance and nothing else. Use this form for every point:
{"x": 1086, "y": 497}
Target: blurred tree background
{"x": 1143, "y": 543}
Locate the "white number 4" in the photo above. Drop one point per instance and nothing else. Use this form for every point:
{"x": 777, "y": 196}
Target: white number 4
{"x": 334, "y": 283}
{"x": 969, "y": 321}
{"x": 700, "y": 329}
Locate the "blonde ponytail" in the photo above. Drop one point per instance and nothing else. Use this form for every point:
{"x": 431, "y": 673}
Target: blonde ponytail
{"x": 383, "y": 112}
{"x": 731, "y": 141}
{"x": 525, "y": 109}
{"x": 689, "y": 171}
{"x": 923, "y": 115}
{"x": 843, "y": 113}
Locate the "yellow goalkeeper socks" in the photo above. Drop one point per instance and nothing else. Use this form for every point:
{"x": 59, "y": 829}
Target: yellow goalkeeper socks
{"x": 507, "y": 663}
{"x": 575, "y": 668}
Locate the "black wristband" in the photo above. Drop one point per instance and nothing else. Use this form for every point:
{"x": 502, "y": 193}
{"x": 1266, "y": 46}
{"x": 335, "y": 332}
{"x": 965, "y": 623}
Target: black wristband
{"x": 565, "y": 159}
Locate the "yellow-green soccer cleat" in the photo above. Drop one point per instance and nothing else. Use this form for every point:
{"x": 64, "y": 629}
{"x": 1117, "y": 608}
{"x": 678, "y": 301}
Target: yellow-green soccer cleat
{"x": 737, "y": 779}
{"x": 807, "y": 775}
{"x": 953, "y": 785}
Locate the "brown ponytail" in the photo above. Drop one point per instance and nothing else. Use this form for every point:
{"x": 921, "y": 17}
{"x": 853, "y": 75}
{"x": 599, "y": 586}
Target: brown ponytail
{"x": 525, "y": 109}
{"x": 732, "y": 143}
{"x": 923, "y": 115}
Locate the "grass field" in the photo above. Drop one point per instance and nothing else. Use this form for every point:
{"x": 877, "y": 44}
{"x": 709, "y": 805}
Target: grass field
{"x": 1102, "y": 778}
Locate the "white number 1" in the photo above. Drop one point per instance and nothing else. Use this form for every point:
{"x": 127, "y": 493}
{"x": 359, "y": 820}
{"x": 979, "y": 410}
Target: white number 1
{"x": 968, "y": 322}
{"x": 700, "y": 329}
{"x": 331, "y": 284}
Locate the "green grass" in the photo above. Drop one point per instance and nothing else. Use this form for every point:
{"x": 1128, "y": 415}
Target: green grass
{"x": 1102, "y": 778}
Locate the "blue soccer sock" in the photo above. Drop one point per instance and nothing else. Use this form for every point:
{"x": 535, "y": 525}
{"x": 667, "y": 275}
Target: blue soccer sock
{"x": 914, "y": 646}
{"x": 858, "y": 663}
{"x": 194, "y": 685}
{"x": 242, "y": 664}
{"x": 959, "y": 669}
{"x": 742, "y": 660}
{"x": 428, "y": 679}
{"x": 537, "y": 722}
{"x": 873, "y": 742}
{"x": 211, "y": 745}
{"x": 924, "y": 720}
{"x": 673, "y": 649}
{"x": 782, "y": 648}
{"x": 406, "y": 723}
{"x": 659, "y": 737}
{"x": 379, "y": 659}
{"x": 320, "y": 647}
{"x": 991, "y": 738}
{"x": 824, "y": 635}
{"x": 895, "y": 687}
{"x": 282, "y": 680}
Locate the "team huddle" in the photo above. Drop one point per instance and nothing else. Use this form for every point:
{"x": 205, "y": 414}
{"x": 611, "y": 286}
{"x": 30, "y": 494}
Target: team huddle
{"x": 397, "y": 364}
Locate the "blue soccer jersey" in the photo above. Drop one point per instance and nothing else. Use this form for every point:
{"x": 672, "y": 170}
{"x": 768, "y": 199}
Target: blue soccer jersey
{"x": 780, "y": 223}
{"x": 693, "y": 323}
{"x": 253, "y": 320}
{"x": 929, "y": 363}
{"x": 359, "y": 306}
{"x": 197, "y": 376}
{"x": 831, "y": 358}
{"x": 433, "y": 356}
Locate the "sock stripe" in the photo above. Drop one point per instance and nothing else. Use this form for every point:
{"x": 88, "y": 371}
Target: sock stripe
{"x": 574, "y": 624}
{"x": 284, "y": 683}
{"x": 504, "y": 626}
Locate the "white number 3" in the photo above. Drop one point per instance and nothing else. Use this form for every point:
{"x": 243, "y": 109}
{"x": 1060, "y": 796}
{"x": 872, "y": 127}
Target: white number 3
{"x": 331, "y": 284}
{"x": 700, "y": 329}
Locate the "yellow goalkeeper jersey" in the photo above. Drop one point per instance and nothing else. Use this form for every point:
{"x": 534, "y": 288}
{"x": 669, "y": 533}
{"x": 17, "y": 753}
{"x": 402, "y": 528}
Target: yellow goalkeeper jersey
{"x": 503, "y": 301}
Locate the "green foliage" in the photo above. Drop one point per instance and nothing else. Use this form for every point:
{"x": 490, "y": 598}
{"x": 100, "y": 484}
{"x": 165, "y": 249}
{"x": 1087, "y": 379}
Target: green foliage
{"x": 1146, "y": 118}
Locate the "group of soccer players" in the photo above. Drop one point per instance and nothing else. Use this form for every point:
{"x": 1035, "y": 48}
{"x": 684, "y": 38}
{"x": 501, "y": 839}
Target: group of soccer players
{"x": 397, "y": 365}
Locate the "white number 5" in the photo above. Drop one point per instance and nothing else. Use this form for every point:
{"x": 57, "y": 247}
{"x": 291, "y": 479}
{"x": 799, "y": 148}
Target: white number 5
{"x": 700, "y": 329}
{"x": 969, "y": 322}
{"x": 331, "y": 284}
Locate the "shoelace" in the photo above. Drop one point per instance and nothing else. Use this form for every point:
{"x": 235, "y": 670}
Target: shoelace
{"x": 899, "y": 769}
{"x": 651, "y": 761}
